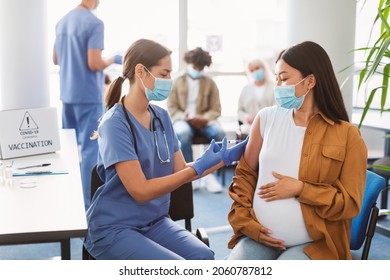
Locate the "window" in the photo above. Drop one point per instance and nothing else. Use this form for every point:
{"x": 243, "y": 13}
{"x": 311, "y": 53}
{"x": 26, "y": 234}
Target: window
{"x": 365, "y": 15}
{"x": 233, "y": 36}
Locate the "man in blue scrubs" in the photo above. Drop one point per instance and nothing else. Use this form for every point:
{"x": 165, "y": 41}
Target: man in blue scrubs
{"x": 78, "y": 51}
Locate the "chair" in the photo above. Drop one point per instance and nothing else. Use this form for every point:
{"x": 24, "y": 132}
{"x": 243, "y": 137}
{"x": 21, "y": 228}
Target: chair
{"x": 239, "y": 134}
{"x": 385, "y": 174}
{"x": 199, "y": 139}
{"x": 181, "y": 208}
{"x": 363, "y": 225}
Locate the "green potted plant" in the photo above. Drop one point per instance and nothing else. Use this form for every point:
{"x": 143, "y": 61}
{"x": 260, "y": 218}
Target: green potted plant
{"x": 378, "y": 58}
{"x": 377, "y": 62}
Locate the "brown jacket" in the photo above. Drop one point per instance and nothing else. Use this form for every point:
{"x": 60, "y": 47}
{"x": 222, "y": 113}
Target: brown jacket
{"x": 333, "y": 170}
{"x": 208, "y": 103}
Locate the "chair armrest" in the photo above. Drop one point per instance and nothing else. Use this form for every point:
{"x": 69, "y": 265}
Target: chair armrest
{"x": 202, "y": 235}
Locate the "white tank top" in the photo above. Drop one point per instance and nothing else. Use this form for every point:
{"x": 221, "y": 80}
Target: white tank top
{"x": 280, "y": 152}
{"x": 193, "y": 92}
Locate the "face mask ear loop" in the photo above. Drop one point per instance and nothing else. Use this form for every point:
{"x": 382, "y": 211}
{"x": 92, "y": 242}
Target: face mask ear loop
{"x": 149, "y": 72}
{"x": 298, "y": 84}
{"x": 300, "y": 81}
{"x": 143, "y": 81}
{"x": 145, "y": 88}
{"x": 306, "y": 93}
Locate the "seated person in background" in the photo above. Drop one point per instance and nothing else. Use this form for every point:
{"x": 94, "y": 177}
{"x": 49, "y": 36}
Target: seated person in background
{"x": 301, "y": 179}
{"x": 194, "y": 107}
{"x": 141, "y": 164}
{"x": 257, "y": 94}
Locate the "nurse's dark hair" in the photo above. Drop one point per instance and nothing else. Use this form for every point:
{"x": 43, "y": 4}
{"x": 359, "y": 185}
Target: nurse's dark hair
{"x": 143, "y": 51}
{"x": 310, "y": 58}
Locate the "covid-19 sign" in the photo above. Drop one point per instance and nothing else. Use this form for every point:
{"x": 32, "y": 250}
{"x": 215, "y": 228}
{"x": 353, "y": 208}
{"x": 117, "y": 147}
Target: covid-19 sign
{"x": 28, "y": 132}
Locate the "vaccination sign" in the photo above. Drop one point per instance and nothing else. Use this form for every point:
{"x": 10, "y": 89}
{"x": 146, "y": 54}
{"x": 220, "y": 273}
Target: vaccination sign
{"x": 28, "y": 132}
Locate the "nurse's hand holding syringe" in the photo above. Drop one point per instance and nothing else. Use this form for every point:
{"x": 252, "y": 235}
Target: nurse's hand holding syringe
{"x": 233, "y": 153}
{"x": 230, "y": 142}
{"x": 211, "y": 157}
{"x": 214, "y": 154}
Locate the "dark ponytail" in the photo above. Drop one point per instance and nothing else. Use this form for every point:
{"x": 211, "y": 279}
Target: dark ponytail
{"x": 114, "y": 92}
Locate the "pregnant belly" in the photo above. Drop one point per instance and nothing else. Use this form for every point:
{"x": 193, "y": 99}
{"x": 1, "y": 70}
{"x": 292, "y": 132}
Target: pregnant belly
{"x": 284, "y": 218}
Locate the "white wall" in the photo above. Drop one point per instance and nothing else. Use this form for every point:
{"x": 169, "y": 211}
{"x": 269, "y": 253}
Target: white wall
{"x": 24, "y": 68}
{"x": 331, "y": 24}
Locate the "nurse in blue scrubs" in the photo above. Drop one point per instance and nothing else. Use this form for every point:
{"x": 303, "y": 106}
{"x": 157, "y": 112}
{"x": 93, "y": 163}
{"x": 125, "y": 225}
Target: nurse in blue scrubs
{"x": 141, "y": 164}
{"x": 78, "y": 48}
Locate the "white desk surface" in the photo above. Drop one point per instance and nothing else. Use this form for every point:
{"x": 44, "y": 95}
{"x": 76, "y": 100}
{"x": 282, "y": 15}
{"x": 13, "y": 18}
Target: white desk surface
{"x": 51, "y": 211}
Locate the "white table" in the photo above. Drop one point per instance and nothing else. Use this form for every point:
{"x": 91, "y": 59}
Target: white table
{"x": 53, "y": 210}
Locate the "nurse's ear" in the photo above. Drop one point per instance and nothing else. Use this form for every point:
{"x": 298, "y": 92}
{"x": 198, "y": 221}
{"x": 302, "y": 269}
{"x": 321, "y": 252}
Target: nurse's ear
{"x": 140, "y": 71}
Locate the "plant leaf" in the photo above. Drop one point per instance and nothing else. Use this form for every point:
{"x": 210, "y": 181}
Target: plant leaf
{"x": 345, "y": 68}
{"x": 367, "y": 106}
{"x": 361, "y": 76}
{"x": 385, "y": 85}
{"x": 383, "y": 14}
{"x": 379, "y": 56}
{"x": 381, "y": 167}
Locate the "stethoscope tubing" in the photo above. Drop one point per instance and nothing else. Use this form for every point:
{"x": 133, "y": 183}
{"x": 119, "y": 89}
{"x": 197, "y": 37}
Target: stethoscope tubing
{"x": 155, "y": 118}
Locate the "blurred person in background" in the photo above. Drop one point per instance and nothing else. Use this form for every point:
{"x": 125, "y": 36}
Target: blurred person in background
{"x": 194, "y": 107}
{"x": 257, "y": 94}
{"x": 78, "y": 50}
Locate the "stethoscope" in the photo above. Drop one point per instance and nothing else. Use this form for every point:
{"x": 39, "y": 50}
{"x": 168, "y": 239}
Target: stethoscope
{"x": 154, "y": 120}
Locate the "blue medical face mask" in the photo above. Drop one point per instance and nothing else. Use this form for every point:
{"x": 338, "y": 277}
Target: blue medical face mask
{"x": 258, "y": 75}
{"x": 162, "y": 88}
{"x": 285, "y": 96}
{"x": 195, "y": 74}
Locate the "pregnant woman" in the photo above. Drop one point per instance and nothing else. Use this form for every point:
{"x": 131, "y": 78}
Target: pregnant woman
{"x": 301, "y": 179}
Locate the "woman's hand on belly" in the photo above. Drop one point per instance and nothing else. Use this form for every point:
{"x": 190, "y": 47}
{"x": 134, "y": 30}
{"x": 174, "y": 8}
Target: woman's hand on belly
{"x": 269, "y": 241}
{"x": 283, "y": 187}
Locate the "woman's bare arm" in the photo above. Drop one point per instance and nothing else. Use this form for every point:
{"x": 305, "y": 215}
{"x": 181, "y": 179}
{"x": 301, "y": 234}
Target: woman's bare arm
{"x": 254, "y": 145}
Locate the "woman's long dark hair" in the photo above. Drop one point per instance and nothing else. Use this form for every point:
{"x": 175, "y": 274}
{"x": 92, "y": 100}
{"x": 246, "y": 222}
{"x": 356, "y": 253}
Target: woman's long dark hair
{"x": 146, "y": 52}
{"x": 310, "y": 58}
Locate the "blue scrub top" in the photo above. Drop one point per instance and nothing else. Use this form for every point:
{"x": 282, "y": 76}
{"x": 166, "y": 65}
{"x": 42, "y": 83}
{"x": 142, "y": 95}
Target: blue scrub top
{"x": 113, "y": 208}
{"x": 76, "y": 33}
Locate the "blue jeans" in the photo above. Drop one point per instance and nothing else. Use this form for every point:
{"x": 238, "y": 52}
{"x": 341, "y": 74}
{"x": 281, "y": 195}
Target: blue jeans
{"x": 248, "y": 249}
{"x": 185, "y": 133}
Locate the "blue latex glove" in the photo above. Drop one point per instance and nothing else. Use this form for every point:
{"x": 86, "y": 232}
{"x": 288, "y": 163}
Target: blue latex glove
{"x": 118, "y": 59}
{"x": 209, "y": 158}
{"x": 234, "y": 153}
